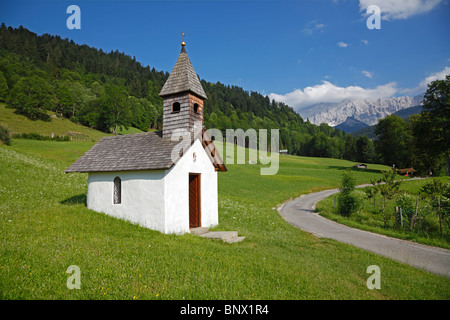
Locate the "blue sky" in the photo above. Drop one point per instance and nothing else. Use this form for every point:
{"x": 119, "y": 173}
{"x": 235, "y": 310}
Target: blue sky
{"x": 299, "y": 52}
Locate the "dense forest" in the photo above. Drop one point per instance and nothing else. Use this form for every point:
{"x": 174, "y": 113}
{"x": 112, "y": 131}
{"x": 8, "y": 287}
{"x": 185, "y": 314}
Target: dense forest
{"x": 106, "y": 90}
{"x": 110, "y": 90}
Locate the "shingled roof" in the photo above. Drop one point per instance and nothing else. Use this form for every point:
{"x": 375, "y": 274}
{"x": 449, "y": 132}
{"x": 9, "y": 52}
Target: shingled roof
{"x": 140, "y": 151}
{"x": 133, "y": 152}
{"x": 183, "y": 78}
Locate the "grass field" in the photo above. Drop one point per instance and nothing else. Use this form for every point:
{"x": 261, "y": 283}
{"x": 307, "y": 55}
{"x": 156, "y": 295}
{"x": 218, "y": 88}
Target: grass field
{"x": 46, "y": 227}
{"x": 59, "y": 126}
{"x": 369, "y": 220}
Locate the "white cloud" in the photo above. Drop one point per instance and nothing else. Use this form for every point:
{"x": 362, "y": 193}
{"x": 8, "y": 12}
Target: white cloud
{"x": 342, "y": 44}
{"x": 313, "y": 26}
{"x": 328, "y": 92}
{"x": 399, "y": 9}
{"x": 366, "y": 42}
{"x": 368, "y": 74}
{"x": 440, "y": 75}
{"x": 423, "y": 85}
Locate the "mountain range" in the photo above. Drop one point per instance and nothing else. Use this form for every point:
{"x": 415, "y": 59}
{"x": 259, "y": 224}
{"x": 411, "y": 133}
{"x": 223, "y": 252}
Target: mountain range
{"x": 369, "y": 131}
{"x": 365, "y": 111}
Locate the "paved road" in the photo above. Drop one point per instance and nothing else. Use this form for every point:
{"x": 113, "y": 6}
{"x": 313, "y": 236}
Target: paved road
{"x": 300, "y": 213}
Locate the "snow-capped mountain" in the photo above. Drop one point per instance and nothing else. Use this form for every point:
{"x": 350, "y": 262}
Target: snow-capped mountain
{"x": 367, "y": 111}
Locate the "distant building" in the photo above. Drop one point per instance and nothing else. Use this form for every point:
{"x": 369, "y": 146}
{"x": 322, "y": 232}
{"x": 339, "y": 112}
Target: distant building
{"x": 406, "y": 171}
{"x": 283, "y": 151}
{"x": 137, "y": 178}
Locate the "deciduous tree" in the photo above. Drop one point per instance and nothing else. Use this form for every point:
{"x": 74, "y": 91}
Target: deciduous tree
{"x": 393, "y": 141}
{"x": 32, "y": 97}
{"x": 388, "y": 188}
{"x": 436, "y": 106}
{"x": 4, "y": 90}
{"x": 435, "y": 190}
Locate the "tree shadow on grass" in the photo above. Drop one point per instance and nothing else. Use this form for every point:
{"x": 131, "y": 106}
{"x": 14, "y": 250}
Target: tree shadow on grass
{"x": 355, "y": 169}
{"x": 78, "y": 199}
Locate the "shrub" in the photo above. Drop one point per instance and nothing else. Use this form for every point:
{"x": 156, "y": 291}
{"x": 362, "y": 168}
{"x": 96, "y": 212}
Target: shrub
{"x": 347, "y": 204}
{"x": 36, "y": 136}
{"x": 408, "y": 204}
{"x": 427, "y": 222}
{"x": 348, "y": 182}
{"x": 5, "y": 136}
{"x": 437, "y": 190}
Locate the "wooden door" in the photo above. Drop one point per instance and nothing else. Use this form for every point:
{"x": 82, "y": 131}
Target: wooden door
{"x": 194, "y": 201}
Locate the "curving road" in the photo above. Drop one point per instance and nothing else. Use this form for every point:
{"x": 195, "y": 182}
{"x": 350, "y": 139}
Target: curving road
{"x": 301, "y": 213}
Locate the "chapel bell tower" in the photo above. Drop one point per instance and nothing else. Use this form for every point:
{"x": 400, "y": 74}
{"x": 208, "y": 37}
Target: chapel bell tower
{"x": 183, "y": 97}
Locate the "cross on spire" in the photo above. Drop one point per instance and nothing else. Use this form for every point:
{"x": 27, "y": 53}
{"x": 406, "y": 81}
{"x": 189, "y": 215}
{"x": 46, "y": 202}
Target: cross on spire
{"x": 182, "y": 39}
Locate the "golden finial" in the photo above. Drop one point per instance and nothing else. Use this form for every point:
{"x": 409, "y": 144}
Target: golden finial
{"x": 182, "y": 40}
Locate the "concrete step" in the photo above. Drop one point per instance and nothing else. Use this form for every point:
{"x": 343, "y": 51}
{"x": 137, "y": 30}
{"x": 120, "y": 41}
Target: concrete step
{"x": 237, "y": 239}
{"x": 226, "y": 236}
{"x": 221, "y": 235}
{"x": 199, "y": 230}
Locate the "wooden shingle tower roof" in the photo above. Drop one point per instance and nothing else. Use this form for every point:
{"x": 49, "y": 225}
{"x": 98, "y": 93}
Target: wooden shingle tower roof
{"x": 183, "y": 78}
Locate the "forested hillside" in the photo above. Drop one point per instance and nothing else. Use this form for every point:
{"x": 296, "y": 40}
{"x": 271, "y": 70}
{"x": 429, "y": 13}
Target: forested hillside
{"x": 109, "y": 90}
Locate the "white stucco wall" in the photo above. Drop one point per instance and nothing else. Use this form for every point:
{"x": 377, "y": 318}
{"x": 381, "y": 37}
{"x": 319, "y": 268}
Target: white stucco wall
{"x": 177, "y": 191}
{"x": 158, "y": 200}
{"x": 142, "y": 200}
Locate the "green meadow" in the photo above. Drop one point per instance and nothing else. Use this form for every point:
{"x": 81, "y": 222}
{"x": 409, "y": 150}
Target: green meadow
{"x": 59, "y": 126}
{"x": 45, "y": 228}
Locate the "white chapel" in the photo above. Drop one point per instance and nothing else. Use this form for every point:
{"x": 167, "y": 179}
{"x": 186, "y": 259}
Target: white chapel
{"x": 136, "y": 177}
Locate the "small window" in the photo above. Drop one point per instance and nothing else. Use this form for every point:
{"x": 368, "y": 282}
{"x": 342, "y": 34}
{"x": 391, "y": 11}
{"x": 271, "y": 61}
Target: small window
{"x": 196, "y": 110}
{"x": 117, "y": 190}
{"x": 176, "y": 107}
